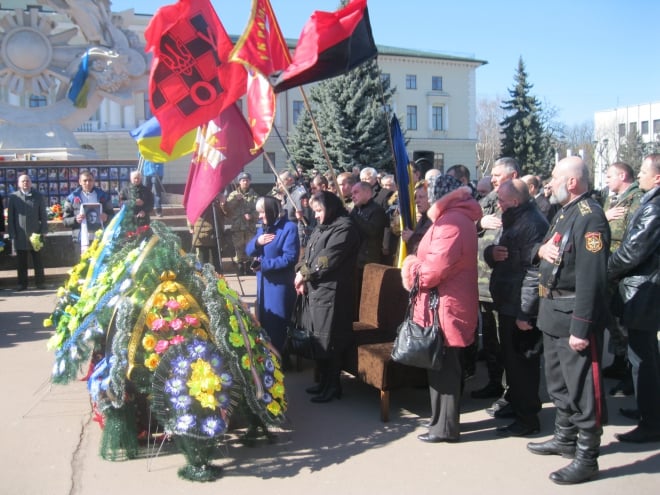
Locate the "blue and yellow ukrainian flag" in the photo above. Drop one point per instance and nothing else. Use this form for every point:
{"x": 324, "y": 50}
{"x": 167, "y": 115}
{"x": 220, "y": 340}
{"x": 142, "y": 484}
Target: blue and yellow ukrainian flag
{"x": 148, "y": 137}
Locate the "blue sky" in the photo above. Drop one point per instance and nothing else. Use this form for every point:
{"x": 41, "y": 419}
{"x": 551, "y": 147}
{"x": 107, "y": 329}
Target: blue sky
{"x": 581, "y": 55}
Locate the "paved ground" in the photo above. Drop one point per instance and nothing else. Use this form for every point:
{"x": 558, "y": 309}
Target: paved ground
{"x": 49, "y": 445}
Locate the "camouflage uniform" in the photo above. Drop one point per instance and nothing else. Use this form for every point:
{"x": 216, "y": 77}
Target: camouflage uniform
{"x": 629, "y": 199}
{"x": 240, "y": 203}
{"x": 490, "y": 340}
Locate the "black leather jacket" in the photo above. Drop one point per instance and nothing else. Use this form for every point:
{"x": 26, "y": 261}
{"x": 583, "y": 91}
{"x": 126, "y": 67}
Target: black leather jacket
{"x": 636, "y": 267}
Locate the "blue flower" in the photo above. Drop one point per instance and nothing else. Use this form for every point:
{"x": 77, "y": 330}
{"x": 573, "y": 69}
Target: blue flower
{"x": 269, "y": 365}
{"x": 174, "y": 386}
{"x": 267, "y": 398}
{"x": 226, "y": 380}
{"x": 213, "y": 425}
{"x": 180, "y": 365}
{"x": 268, "y": 381}
{"x": 216, "y": 362}
{"x": 184, "y": 423}
{"x": 223, "y": 400}
{"x": 197, "y": 349}
{"x": 181, "y": 402}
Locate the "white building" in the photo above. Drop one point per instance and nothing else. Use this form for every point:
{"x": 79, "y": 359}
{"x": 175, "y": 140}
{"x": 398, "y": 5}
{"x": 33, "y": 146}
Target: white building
{"x": 435, "y": 98}
{"x": 612, "y": 127}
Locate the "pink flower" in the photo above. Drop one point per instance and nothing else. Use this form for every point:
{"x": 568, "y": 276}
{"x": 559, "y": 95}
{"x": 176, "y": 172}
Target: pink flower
{"x": 76, "y": 200}
{"x": 162, "y": 346}
{"x": 178, "y": 339}
{"x": 176, "y": 324}
{"x": 173, "y": 305}
{"x": 159, "y": 325}
{"x": 192, "y": 320}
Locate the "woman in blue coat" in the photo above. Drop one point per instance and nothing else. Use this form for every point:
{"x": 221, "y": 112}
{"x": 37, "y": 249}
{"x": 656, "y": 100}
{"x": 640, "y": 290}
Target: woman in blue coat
{"x": 276, "y": 248}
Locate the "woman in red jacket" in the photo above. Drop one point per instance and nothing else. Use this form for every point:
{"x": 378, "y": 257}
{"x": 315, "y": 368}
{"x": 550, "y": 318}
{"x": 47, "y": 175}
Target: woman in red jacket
{"x": 447, "y": 260}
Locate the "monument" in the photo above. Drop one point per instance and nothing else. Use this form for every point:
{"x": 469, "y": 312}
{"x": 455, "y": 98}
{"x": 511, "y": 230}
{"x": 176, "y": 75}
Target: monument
{"x": 40, "y": 62}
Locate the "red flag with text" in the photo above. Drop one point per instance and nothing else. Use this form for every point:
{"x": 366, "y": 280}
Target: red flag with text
{"x": 264, "y": 51}
{"x": 223, "y": 147}
{"x": 191, "y": 79}
{"x": 331, "y": 44}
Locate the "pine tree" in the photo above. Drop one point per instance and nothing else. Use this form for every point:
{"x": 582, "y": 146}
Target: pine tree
{"x": 352, "y": 121}
{"x": 524, "y": 136}
{"x": 632, "y": 150}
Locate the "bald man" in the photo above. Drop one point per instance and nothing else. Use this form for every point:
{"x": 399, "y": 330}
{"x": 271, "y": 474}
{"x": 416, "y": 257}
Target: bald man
{"x": 523, "y": 227}
{"x": 573, "y": 256}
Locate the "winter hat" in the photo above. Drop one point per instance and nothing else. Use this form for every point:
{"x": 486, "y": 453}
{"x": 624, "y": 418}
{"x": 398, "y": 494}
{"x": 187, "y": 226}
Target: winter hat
{"x": 244, "y": 175}
{"x": 441, "y": 185}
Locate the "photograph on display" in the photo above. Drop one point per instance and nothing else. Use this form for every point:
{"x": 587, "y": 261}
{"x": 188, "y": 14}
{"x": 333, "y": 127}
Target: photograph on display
{"x": 64, "y": 174}
{"x": 64, "y": 188}
{"x": 53, "y": 174}
{"x": 73, "y": 174}
{"x": 2, "y": 189}
{"x": 72, "y": 185}
{"x": 114, "y": 173}
{"x": 32, "y": 173}
{"x": 93, "y": 219}
{"x": 42, "y": 174}
{"x": 94, "y": 171}
{"x": 124, "y": 172}
{"x": 10, "y": 175}
{"x": 54, "y": 200}
{"x": 52, "y": 188}
{"x": 104, "y": 185}
{"x": 43, "y": 188}
{"x": 103, "y": 173}
{"x": 2, "y": 174}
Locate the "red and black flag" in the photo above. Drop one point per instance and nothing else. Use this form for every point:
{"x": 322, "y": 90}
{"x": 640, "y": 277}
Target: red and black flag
{"x": 331, "y": 44}
{"x": 191, "y": 80}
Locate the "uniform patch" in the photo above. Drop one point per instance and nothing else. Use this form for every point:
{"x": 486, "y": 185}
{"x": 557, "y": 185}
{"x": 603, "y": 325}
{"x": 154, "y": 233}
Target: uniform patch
{"x": 593, "y": 241}
{"x": 584, "y": 208}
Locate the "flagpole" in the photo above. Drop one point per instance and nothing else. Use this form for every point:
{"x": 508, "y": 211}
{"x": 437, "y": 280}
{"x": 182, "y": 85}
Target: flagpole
{"x": 286, "y": 192}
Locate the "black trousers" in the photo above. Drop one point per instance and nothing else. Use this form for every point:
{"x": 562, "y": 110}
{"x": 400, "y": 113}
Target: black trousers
{"x": 645, "y": 359}
{"x": 445, "y": 394}
{"x": 491, "y": 342}
{"x": 522, "y": 366}
{"x": 574, "y": 382}
{"x": 22, "y": 266}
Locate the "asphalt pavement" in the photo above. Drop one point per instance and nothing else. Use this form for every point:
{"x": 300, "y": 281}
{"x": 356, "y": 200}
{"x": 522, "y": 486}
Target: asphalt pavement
{"x": 49, "y": 443}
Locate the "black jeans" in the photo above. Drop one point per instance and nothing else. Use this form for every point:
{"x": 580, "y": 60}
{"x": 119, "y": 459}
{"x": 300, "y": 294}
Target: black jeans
{"x": 22, "y": 267}
{"x": 645, "y": 359}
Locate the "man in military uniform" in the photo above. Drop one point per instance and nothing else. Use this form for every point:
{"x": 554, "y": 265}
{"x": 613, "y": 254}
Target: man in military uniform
{"x": 241, "y": 211}
{"x": 572, "y": 308}
{"x": 619, "y": 207}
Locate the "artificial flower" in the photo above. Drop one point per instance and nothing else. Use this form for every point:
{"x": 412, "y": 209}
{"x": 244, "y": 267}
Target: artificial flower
{"x": 161, "y": 346}
{"x": 152, "y": 361}
{"x": 184, "y": 423}
{"x": 174, "y": 386}
{"x": 177, "y": 324}
{"x": 159, "y": 324}
{"x": 183, "y": 302}
{"x": 177, "y": 339}
{"x": 274, "y": 408}
{"x": 192, "y": 321}
{"x": 149, "y": 342}
{"x": 48, "y": 323}
{"x": 181, "y": 402}
{"x": 172, "y": 305}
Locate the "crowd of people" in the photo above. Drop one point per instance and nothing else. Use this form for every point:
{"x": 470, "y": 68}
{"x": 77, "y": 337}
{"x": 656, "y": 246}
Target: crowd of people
{"x": 525, "y": 269}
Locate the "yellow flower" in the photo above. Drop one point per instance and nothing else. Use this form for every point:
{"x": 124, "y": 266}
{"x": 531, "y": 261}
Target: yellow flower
{"x": 207, "y": 400}
{"x": 236, "y": 339}
{"x": 245, "y": 362}
{"x": 278, "y": 375}
{"x": 152, "y": 361}
{"x": 183, "y": 302}
{"x": 274, "y": 408}
{"x": 170, "y": 286}
{"x": 48, "y": 322}
{"x": 149, "y": 342}
{"x": 233, "y": 323}
{"x": 277, "y": 390}
{"x": 150, "y": 318}
{"x": 159, "y": 300}
{"x": 55, "y": 341}
{"x": 61, "y": 292}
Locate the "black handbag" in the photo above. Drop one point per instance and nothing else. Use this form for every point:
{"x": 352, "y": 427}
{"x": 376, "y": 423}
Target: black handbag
{"x": 298, "y": 335}
{"x": 415, "y": 345}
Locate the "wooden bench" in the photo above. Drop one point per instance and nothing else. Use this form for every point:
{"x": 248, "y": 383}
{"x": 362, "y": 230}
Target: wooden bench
{"x": 383, "y": 303}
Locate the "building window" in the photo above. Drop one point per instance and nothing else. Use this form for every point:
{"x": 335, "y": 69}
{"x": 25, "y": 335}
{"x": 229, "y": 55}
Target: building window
{"x": 411, "y": 117}
{"x": 436, "y": 118}
{"x": 645, "y": 127}
{"x": 436, "y": 83}
{"x": 656, "y": 126}
{"x": 38, "y": 101}
{"x": 298, "y": 106}
{"x": 411, "y": 81}
{"x": 633, "y": 128}
{"x": 385, "y": 79}
{"x": 622, "y": 130}
{"x": 266, "y": 167}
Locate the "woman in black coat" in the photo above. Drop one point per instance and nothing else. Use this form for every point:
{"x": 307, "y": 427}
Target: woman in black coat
{"x": 326, "y": 276}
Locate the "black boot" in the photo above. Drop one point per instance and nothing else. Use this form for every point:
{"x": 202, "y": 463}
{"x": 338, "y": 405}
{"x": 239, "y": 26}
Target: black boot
{"x": 332, "y": 390}
{"x": 585, "y": 465}
{"x": 563, "y": 443}
{"x": 322, "y": 368}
